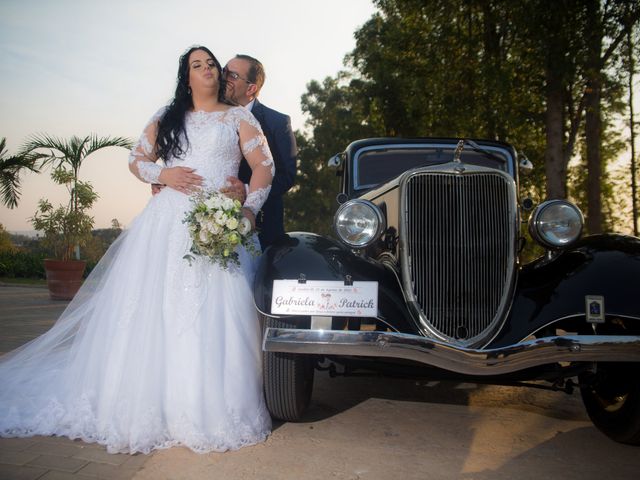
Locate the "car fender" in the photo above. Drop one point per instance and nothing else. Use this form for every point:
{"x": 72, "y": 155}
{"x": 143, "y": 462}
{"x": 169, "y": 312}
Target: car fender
{"x": 555, "y": 288}
{"x": 308, "y": 256}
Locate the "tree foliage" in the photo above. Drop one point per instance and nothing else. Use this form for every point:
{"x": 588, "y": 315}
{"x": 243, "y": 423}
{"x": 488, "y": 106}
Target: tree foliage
{"x": 6, "y": 245}
{"x": 337, "y": 116}
{"x": 11, "y": 167}
{"x": 519, "y": 72}
{"x": 67, "y": 227}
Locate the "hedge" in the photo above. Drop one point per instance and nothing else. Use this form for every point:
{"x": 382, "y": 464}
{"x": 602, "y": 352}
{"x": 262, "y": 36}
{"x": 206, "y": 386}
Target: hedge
{"x": 18, "y": 264}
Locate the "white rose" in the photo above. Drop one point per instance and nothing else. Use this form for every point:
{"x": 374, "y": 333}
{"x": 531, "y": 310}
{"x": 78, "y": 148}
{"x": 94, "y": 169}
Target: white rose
{"x": 220, "y": 217}
{"x": 232, "y": 223}
{"x": 215, "y": 229}
{"x": 213, "y": 203}
{"x": 227, "y": 203}
{"x": 245, "y": 226}
{"x": 202, "y": 236}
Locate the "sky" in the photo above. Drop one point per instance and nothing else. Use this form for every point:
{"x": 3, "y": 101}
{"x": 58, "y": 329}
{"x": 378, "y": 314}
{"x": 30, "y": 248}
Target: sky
{"x": 76, "y": 67}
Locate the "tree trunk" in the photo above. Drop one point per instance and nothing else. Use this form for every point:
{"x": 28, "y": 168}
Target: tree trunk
{"x": 632, "y": 136}
{"x": 555, "y": 48}
{"x": 593, "y": 134}
{"x": 492, "y": 67}
{"x": 554, "y": 161}
{"x": 593, "y": 119}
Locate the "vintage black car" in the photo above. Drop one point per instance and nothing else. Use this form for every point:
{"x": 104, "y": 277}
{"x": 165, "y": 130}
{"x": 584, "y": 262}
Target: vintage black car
{"x": 425, "y": 279}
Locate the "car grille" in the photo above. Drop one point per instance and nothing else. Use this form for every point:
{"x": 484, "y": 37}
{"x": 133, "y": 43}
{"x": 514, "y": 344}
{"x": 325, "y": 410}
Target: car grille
{"x": 460, "y": 251}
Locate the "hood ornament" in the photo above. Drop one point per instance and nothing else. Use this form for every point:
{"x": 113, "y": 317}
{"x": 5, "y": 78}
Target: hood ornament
{"x": 458, "y": 151}
{"x": 456, "y": 157}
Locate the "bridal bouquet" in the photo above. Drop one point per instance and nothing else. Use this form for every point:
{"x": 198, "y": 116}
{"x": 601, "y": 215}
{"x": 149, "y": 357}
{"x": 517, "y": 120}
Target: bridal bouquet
{"x": 217, "y": 227}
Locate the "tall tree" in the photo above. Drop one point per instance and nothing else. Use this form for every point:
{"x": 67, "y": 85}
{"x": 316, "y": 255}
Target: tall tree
{"x": 550, "y": 35}
{"x": 609, "y": 22}
{"x": 453, "y": 68}
{"x": 337, "y": 115}
{"x": 520, "y": 72}
{"x": 593, "y": 121}
{"x": 631, "y": 68}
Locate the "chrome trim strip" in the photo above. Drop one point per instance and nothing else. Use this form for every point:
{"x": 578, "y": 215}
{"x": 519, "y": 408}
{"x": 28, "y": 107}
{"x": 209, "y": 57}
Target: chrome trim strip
{"x": 381, "y": 319}
{"x": 578, "y": 316}
{"x": 532, "y": 353}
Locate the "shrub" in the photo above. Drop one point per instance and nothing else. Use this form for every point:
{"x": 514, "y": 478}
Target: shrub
{"x": 19, "y": 264}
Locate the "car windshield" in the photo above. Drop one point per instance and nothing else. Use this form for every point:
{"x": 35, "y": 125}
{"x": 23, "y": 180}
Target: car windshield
{"x": 378, "y": 164}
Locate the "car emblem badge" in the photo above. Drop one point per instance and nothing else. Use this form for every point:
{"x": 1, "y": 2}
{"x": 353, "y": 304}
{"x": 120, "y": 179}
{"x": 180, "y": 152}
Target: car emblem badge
{"x": 459, "y": 169}
{"x": 594, "y": 308}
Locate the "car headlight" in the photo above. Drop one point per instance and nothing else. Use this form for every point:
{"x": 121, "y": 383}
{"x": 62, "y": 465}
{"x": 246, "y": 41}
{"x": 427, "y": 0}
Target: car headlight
{"x": 358, "y": 223}
{"x": 556, "y": 224}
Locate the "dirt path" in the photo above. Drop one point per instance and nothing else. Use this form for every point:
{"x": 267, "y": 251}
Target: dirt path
{"x": 362, "y": 428}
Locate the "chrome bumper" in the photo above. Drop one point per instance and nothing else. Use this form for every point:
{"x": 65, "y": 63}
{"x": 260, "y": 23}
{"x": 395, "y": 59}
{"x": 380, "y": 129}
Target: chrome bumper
{"x": 579, "y": 348}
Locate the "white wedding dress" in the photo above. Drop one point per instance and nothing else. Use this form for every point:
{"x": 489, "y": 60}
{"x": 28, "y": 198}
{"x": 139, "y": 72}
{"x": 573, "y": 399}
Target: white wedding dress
{"x": 154, "y": 352}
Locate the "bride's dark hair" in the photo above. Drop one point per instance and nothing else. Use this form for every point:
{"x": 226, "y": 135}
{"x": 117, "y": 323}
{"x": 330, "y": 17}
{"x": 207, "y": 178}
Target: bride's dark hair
{"x": 171, "y": 126}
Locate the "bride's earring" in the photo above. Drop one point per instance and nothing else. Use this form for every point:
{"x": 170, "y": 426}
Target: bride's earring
{"x": 188, "y": 90}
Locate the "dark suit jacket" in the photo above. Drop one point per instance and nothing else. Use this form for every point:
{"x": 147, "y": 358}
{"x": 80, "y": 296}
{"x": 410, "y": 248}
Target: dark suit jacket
{"x": 282, "y": 143}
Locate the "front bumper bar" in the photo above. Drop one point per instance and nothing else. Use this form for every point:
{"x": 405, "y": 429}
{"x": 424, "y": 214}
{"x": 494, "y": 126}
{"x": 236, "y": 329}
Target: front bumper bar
{"x": 513, "y": 358}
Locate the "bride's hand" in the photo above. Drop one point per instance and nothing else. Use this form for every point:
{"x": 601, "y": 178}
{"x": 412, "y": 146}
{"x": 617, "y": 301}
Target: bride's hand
{"x": 250, "y": 216}
{"x": 180, "y": 178}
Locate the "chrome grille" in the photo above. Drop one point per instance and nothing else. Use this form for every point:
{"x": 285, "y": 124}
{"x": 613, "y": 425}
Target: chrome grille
{"x": 459, "y": 236}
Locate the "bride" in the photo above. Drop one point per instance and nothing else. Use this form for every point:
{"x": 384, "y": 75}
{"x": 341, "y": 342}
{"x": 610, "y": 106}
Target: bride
{"x": 155, "y": 351}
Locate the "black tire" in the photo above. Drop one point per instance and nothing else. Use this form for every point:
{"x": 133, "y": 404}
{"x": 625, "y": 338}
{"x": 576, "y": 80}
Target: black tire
{"x": 612, "y": 399}
{"x": 288, "y": 377}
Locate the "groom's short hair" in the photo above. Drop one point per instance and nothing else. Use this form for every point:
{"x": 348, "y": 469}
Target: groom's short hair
{"x": 256, "y": 70}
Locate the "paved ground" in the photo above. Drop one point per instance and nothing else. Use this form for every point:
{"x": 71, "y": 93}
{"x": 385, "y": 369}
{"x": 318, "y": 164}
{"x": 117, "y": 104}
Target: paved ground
{"x": 357, "y": 428}
{"x": 26, "y": 312}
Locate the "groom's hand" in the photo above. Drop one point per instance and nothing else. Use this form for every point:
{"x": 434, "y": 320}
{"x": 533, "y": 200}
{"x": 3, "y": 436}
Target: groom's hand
{"x": 234, "y": 188}
{"x": 156, "y": 188}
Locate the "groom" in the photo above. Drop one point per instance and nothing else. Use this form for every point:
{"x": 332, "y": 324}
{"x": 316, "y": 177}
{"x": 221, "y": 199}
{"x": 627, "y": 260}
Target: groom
{"x": 245, "y": 76}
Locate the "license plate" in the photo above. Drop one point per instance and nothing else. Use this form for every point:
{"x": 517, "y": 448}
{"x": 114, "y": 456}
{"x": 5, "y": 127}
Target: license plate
{"x": 321, "y": 297}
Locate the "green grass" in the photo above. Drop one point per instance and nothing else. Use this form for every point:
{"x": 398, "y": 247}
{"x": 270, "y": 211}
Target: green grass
{"x": 23, "y": 281}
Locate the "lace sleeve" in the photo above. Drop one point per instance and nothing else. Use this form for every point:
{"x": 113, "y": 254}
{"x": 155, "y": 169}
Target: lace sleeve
{"x": 142, "y": 160}
{"x": 256, "y": 151}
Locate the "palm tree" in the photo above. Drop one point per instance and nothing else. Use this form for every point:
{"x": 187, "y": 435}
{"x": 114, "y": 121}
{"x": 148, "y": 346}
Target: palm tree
{"x": 10, "y": 169}
{"x": 67, "y": 227}
{"x": 69, "y": 153}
